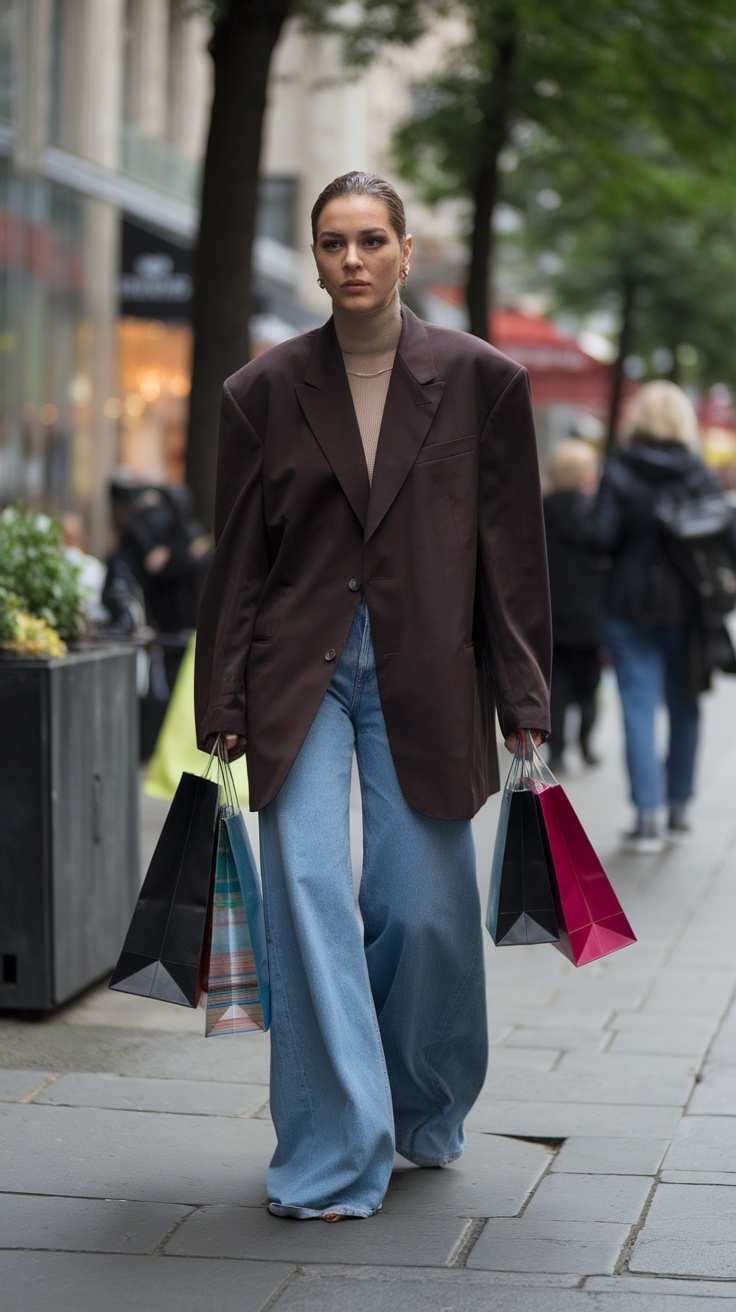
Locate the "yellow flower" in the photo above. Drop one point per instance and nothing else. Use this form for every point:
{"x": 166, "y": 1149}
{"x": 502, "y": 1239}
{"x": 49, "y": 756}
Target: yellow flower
{"x": 34, "y": 637}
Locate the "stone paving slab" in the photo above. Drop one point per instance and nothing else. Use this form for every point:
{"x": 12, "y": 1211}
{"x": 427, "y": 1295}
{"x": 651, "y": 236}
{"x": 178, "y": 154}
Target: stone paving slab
{"x": 715, "y": 1095}
{"x": 494, "y": 1177}
{"x": 560, "y": 1120}
{"x": 619, "y": 1072}
{"x": 691, "y": 993}
{"x": 560, "y": 1016}
{"x": 589, "y": 1156}
{"x": 400, "y": 1239}
{"x": 560, "y": 1040}
{"x": 309, "y": 1293}
{"x": 124, "y": 1011}
{"x": 590, "y": 1198}
{"x": 125, "y": 1093}
{"x": 15, "y": 1085}
{"x": 652, "y": 1286}
{"x": 83, "y": 1225}
{"x": 626, "y": 1080}
{"x": 699, "y": 1177}
{"x": 87, "y": 1282}
{"x": 510, "y": 1061}
{"x": 690, "y": 1230}
{"x": 686, "y": 1036}
{"x": 101, "y": 1049}
{"x": 539, "y": 1244}
{"x": 703, "y": 1143}
{"x": 88, "y": 1152}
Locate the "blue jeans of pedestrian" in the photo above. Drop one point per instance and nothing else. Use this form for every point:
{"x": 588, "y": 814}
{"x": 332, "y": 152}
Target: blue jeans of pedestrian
{"x": 651, "y": 669}
{"x": 379, "y": 1038}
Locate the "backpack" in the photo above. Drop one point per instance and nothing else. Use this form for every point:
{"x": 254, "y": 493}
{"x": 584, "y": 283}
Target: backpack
{"x": 698, "y": 537}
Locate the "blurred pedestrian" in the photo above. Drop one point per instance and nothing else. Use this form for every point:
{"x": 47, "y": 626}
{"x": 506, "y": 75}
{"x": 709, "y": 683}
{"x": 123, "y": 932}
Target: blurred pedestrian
{"x": 649, "y": 613}
{"x": 576, "y": 589}
{"x": 378, "y": 583}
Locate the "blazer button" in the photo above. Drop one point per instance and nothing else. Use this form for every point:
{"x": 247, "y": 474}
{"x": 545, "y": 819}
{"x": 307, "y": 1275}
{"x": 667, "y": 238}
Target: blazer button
{"x": 330, "y": 654}
{"x": 354, "y": 585}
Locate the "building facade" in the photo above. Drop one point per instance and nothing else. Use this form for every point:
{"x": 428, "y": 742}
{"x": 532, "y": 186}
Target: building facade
{"x": 104, "y": 107}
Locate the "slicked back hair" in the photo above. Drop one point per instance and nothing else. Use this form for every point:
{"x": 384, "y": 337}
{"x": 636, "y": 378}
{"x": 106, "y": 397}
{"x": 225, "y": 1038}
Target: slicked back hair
{"x": 363, "y": 184}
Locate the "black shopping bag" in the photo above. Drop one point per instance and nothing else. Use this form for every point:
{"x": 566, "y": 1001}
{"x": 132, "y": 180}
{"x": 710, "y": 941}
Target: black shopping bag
{"x": 521, "y": 905}
{"x": 161, "y": 956}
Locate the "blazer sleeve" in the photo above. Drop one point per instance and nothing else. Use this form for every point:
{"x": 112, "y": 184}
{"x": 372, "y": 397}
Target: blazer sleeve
{"x": 514, "y": 581}
{"x": 235, "y": 579}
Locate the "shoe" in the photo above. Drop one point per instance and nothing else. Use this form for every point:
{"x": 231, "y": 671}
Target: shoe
{"x": 645, "y": 838}
{"x": 679, "y": 830}
{"x": 589, "y": 757}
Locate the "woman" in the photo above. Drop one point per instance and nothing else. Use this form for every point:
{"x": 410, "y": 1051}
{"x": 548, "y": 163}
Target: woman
{"x": 648, "y": 609}
{"x": 576, "y": 587}
{"x": 378, "y": 584}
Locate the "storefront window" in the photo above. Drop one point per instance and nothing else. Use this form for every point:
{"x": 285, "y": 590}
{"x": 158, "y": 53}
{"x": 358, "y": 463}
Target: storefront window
{"x": 153, "y": 364}
{"x": 154, "y": 353}
{"x": 8, "y": 46}
{"x": 46, "y": 394}
{"x": 277, "y": 213}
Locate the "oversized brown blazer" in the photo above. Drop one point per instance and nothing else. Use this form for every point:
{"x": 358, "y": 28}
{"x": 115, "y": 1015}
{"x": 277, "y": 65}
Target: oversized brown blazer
{"x": 448, "y": 544}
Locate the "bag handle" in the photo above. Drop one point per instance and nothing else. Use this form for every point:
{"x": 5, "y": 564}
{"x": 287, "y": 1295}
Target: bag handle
{"x": 215, "y": 749}
{"x": 533, "y": 773}
{"x": 226, "y": 775}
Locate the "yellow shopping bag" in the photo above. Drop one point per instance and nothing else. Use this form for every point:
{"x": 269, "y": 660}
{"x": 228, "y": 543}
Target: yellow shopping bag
{"x": 176, "y": 748}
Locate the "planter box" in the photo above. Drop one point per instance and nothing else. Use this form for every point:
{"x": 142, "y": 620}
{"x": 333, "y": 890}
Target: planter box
{"x": 69, "y": 855}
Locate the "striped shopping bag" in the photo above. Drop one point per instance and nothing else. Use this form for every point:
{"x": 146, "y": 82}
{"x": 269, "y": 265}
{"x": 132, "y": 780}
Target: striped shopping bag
{"x": 237, "y": 1000}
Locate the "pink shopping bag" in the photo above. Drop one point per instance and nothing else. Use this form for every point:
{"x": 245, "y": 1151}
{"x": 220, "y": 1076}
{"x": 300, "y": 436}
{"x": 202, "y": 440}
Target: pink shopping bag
{"x": 589, "y": 915}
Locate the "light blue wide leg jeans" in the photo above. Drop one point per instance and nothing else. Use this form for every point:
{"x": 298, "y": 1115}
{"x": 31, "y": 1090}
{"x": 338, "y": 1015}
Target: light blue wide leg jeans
{"x": 379, "y": 1038}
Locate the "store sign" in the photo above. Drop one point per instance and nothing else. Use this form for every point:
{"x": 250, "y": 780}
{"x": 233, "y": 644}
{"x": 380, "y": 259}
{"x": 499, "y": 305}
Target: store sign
{"x": 155, "y": 277}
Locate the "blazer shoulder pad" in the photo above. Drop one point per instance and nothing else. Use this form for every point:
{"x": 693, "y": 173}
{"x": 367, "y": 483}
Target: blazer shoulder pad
{"x": 451, "y": 346}
{"x": 284, "y": 363}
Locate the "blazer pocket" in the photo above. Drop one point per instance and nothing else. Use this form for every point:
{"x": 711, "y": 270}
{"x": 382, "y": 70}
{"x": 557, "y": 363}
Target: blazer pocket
{"x": 260, "y": 640}
{"x": 457, "y": 446}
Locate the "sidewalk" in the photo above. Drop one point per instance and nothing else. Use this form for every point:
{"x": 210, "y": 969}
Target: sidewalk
{"x": 600, "y": 1169}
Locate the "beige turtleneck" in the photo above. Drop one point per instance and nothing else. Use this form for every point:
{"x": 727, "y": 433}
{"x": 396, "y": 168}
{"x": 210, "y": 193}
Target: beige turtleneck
{"x": 368, "y": 342}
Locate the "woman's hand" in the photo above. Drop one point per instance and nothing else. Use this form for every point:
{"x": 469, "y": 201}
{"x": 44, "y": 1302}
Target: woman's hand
{"x": 235, "y": 746}
{"x": 512, "y": 742}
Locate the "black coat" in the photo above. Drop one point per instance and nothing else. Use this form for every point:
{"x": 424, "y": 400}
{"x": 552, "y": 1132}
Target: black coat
{"x": 576, "y": 572}
{"x": 643, "y": 586}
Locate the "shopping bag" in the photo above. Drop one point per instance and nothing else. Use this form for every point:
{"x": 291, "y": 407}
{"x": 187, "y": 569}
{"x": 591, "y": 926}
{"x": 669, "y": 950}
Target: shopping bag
{"x": 521, "y": 905}
{"x": 590, "y": 917}
{"x": 250, "y": 889}
{"x": 161, "y": 955}
{"x": 238, "y": 997}
{"x": 176, "y": 744}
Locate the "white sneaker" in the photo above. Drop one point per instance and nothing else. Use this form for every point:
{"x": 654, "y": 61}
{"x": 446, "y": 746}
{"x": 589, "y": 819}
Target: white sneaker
{"x": 645, "y": 838}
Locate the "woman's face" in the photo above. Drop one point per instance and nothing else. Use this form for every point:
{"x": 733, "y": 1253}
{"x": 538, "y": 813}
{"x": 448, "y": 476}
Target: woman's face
{"x": 358, "y": 255}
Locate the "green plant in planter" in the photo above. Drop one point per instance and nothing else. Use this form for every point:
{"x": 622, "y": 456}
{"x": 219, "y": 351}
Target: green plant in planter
{"x": 40, "y": 595}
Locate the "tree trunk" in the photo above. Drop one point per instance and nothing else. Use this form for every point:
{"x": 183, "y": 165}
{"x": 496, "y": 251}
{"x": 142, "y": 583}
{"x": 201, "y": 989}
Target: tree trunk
{"x": 481, "y": 249}
{"x": 241, "y": 47}
{"x": 486, "y": 186}
{"x": 625, "y": 338}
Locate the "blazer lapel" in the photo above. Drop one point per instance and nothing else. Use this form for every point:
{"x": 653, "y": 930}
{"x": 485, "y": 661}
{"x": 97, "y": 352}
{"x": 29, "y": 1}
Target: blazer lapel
{"x": 411, "y": 404}
{"x": 328, "y": 408}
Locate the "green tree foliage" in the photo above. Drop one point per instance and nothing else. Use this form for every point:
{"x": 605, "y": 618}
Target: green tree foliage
{"x": 563, "y": 84}
{"x": 661, "y": 257}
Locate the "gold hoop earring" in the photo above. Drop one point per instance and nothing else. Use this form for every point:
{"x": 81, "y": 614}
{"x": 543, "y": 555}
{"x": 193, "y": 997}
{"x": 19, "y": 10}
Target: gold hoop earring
{"x": 320, "y": 284}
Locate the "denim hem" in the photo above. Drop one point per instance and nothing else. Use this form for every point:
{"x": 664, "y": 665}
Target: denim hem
{"x": 418, "y": 1160}
{"x": 310, "y": 1214}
